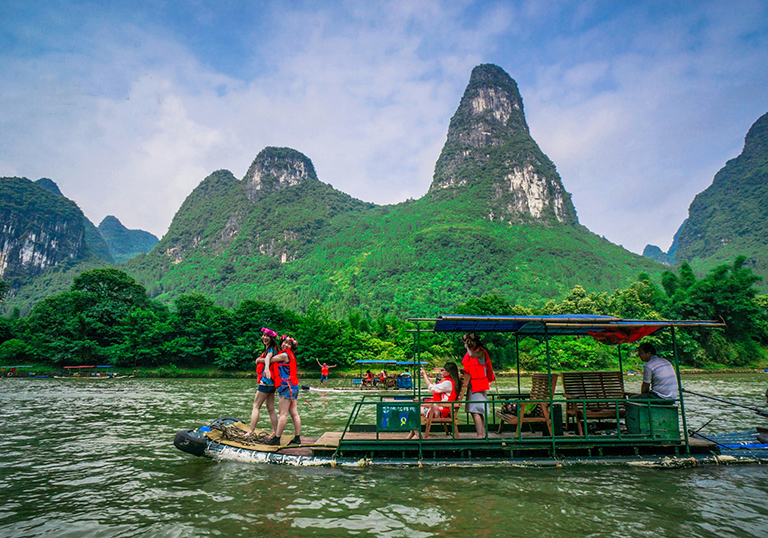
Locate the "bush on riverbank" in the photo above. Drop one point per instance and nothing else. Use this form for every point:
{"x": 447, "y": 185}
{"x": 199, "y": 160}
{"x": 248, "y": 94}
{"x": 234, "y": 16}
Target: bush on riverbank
{"x": 107, "y": 318}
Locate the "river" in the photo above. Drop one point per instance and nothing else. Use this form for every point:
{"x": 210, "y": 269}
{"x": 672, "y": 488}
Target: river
{"x": 96, "y": 458}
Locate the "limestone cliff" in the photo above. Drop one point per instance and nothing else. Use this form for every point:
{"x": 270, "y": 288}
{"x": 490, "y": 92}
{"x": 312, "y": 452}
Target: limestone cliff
{"x": 489, "y": 156}
{"x": 38, "y": 230}
{"x": 278, "y": 209}
{"x": 275, "y": 169}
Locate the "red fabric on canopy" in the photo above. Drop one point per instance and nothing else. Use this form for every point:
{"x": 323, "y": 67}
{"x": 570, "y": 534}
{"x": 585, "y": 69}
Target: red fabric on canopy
{"x": 622, "y": 335}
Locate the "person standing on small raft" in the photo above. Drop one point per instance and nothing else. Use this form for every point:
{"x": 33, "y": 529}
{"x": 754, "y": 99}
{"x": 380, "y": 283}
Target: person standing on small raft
{"x": 265, "y": 375}
{"x": 287, "y": 383}
{"x": 477, "y": 363}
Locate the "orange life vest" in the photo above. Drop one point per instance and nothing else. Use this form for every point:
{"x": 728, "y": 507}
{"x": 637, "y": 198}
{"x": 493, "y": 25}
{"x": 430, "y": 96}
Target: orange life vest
{"x": 293, "y": 375}
{"x": 481, "y": 374}
{"x": 272, "y": 367}
{"x": 437, "y": 397}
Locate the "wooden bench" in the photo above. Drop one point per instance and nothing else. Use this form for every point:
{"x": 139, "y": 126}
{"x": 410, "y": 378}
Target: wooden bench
{"x": 540, "y": 397}
{"x": 580, "y": 386}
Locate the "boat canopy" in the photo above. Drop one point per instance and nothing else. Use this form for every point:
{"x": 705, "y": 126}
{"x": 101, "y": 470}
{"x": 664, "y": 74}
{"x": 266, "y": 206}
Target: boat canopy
{"x": 607, "y": 329}
{"x": 93, "y": 366}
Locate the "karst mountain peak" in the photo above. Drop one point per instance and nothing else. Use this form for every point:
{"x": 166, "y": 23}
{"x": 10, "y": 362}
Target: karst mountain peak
{"x": 489, "y": 156}
{"x": 275, "y": 169}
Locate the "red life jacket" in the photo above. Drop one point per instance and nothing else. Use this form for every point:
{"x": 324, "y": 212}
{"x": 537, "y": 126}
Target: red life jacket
{"x": 437, "y": 397}
{"x": 481, "y": 375}
{"x": 294, "y": 376}
{"x": 324, "y": 370}
{"x": 272, "y": 367}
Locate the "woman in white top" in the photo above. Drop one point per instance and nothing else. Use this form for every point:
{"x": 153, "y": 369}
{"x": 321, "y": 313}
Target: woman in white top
{"x": 444, "y": 391}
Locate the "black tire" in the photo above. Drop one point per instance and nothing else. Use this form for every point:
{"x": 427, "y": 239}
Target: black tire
{"x": 187, "y": 442}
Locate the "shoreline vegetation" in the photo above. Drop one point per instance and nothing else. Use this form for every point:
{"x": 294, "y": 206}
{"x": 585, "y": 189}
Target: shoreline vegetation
{"x": 107, "y": 319}
{"x": 306, "y": 377}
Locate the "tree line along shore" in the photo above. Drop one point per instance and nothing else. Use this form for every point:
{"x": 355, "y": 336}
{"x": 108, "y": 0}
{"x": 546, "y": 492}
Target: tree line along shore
{"x": 106, "y": 318}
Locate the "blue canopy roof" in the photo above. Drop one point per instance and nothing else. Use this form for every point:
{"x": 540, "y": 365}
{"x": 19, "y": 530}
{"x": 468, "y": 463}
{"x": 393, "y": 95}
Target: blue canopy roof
{"x": 608, "y": 329}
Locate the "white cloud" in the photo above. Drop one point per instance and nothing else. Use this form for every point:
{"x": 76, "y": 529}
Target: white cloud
{"x": 637, "y": 111}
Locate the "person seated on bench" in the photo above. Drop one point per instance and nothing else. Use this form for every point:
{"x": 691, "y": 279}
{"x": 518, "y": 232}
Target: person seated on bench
{"x": 382, "y": 379}
{"x": 444, "y": 391}
{"x": 367, "y": 379}
{"x": 659, "y": 379}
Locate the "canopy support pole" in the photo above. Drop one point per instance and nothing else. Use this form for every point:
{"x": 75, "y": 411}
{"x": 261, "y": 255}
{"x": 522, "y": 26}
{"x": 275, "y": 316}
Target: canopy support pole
{"x": 517, "y": 358}
{"x": 680, "y": 391}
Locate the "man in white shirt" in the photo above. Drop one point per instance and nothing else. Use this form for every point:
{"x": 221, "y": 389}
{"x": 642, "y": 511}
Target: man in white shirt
{"x": 659, "y": 379}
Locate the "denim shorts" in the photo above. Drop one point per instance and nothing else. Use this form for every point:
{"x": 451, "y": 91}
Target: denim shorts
{"x": 290, "y": 392}
{"x": 266, "y": 385}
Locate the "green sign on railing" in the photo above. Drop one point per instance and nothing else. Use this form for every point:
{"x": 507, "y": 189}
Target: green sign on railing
{"x": 398, "y": 418}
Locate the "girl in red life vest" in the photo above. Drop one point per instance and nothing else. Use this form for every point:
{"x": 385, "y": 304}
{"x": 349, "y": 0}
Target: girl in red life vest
{"x": 288, "y": 391}
{"x": 446, "y": 390}
{"x": 265, "y": 376}
{"x": 477, "y": 364}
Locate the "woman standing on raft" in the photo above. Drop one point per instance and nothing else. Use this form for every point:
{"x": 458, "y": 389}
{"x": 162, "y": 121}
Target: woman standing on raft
{"x": 288, "y": 391}
{"x": 265, "y": 378}
{"x": 477, "y": 363}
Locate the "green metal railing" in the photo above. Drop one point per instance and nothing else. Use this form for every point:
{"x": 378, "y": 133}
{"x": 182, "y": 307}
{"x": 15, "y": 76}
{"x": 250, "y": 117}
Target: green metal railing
{"x": 374, "y": 414}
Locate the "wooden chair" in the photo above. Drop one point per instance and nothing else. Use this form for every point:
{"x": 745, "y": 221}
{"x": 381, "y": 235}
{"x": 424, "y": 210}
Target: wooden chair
{"x": 453, "y": 418}
{"x": 605, "y": 385}
{"x": 539, "y": 398}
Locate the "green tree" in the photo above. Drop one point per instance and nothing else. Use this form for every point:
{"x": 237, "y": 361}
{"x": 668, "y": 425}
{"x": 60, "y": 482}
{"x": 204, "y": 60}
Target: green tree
{"x": 201, "y": 331}
{"x": 322, "y": 338}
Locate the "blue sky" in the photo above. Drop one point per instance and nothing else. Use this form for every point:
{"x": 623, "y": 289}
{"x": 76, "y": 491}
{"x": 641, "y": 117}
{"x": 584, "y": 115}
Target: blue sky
{"x": 128, "y": 105}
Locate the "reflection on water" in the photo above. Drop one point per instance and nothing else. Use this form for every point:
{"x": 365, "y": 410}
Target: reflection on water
{"x": 95, "y": 458}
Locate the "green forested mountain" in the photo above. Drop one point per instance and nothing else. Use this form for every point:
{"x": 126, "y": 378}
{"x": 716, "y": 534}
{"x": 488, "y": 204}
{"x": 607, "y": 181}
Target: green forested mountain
{"x": 496, "y": 220}
{"x": 93, "y": 239}
{"x": 123, "y": 243}
{"x": 729, "y": 218}
{"x": 496, "y": 233}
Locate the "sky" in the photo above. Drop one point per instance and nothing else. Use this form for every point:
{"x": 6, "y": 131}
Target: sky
{"x": 128, "y": 105}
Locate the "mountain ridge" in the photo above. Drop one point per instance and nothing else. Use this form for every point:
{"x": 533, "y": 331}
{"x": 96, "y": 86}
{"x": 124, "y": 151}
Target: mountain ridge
{"x": 728, "y": 218}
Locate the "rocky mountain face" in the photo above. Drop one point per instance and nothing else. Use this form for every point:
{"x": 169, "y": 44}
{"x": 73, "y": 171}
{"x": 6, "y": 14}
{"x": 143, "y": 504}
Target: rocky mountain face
{"x": 276, "y": 210}
{"x": 123, "y": 243}
{"x": 93, "y": 238}
{"x": 730, "y": 217}
{"x": 489, "y": 156}
{"x": 280, "y": 234}
{"x": 39, "y": 229}
{"x": 275, "y": 169}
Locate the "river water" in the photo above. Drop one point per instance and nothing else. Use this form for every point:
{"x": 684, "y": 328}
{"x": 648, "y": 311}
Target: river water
{"x": 96, "y": 458}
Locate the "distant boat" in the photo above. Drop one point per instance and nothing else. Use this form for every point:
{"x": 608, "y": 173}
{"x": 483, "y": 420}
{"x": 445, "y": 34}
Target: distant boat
{"x": 89, "y": 372}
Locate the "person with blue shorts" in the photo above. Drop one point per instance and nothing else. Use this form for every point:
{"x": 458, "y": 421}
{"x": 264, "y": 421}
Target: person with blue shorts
{"x": 287, "y": 391}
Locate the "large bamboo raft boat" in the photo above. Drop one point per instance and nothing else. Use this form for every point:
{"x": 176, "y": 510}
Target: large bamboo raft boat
{"x": 589, "y": 421}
